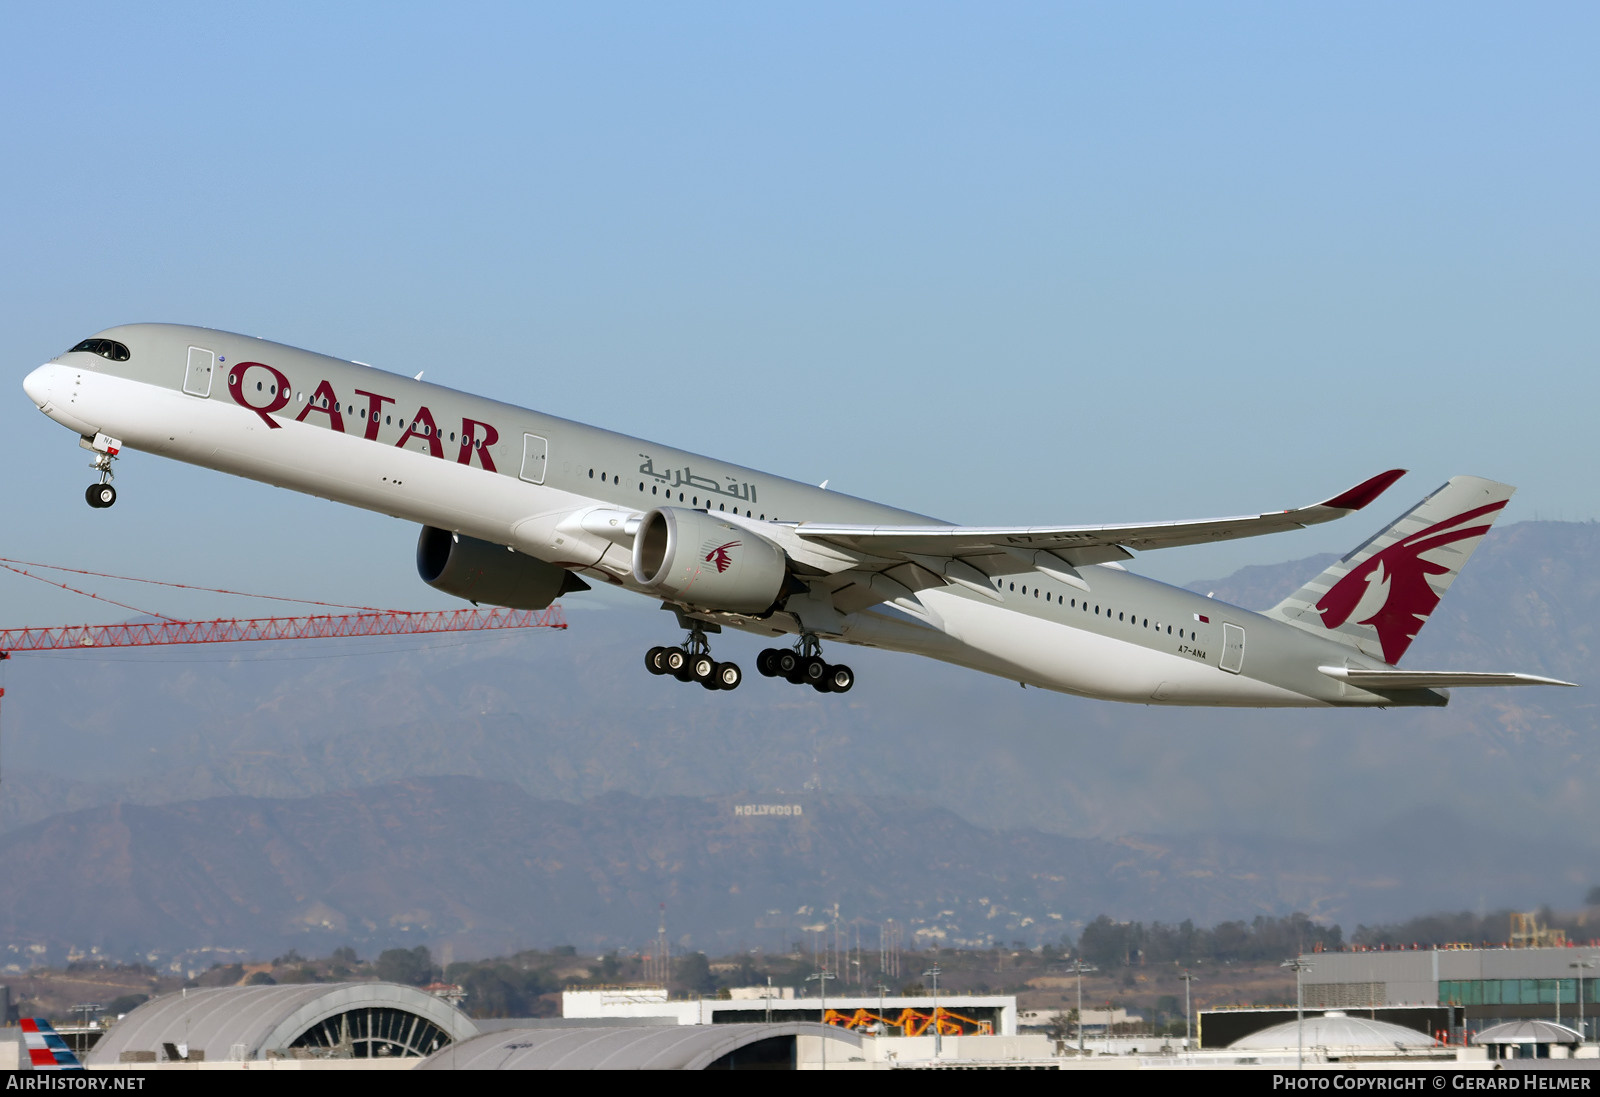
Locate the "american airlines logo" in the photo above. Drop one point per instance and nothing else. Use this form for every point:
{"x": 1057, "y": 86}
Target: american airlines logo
{"x": 266, "y": 391}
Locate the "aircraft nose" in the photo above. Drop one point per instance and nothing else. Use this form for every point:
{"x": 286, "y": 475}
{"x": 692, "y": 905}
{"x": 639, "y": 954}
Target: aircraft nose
{"x": 38, "y": 384}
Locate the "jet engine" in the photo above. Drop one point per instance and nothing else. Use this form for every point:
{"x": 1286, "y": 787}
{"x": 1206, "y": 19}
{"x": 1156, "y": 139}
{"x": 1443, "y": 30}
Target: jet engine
{"x": 486, "y": 573}
{"x": 692, "y": 557}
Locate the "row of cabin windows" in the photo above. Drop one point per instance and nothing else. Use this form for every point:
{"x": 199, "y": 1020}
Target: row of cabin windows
{"x": 693, "y": 500}
{"x": 351, "y": 409}
{"x": 1063, "y": 600}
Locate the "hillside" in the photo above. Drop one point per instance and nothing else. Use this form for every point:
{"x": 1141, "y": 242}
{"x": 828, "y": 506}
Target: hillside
{"x": 1352, "y": 815}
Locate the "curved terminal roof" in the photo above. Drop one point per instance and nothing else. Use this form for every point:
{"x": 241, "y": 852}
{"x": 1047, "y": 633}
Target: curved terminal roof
{"x": 1335, "y": 1031}
{"x": 678, "y": 1047}
{"x": 1528, "y": 1032}
{"x": 251, "y": 1022}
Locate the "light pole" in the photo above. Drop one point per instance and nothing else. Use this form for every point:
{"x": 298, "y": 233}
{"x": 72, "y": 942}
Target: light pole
{"x": 1579, "y": 966}
{"x": 1079, "y": 967}
{"x": 821, "y": 979}
{"x": 1188, "y": 1032}
{"x": 934, "y": 971}
{"x": 1299, "y": 966}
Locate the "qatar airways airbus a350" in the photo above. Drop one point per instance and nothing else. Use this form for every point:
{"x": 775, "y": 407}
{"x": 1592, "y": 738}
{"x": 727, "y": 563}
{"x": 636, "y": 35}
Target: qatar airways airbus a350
{"x": 518, "y": 507}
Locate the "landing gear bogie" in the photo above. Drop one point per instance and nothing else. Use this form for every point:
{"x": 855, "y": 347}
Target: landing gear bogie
{"x": 693, "y": 663}
{"x": 805, "y": 666}
{"x": 802, "y": 665}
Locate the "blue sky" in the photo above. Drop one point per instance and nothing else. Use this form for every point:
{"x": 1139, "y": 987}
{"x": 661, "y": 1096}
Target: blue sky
{"x": 1017, "y": 263}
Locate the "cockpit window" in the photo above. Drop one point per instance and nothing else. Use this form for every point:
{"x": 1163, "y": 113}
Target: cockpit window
{"x": 105, "y": 348}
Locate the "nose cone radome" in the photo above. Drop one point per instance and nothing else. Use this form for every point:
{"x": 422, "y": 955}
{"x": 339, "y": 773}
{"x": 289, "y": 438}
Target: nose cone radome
{"x": 38, "y": 384}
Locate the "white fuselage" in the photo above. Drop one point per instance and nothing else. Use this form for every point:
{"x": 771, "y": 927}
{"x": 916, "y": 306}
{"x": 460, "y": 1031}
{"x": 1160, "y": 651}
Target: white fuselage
{"x": 555, "y": 490}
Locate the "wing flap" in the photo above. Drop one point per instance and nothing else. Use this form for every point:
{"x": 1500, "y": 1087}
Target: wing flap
{"x": 1434, "y": 679}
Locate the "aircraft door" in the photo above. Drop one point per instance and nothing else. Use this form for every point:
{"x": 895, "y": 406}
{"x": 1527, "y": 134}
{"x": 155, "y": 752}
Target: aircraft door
{"x": 1232, "y": 649}
{"x": 197, "y": 376}
{"x": 535, "y": 455}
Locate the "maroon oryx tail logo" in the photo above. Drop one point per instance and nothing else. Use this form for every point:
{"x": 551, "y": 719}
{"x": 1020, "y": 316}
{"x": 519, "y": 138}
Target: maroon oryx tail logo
{"x": 719, "y": 556}
{"x": 1390, "y": 590}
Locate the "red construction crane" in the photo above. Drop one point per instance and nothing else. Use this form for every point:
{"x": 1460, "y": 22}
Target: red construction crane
{"x": 229, "y": 630}
{"x": 367, "y": 621}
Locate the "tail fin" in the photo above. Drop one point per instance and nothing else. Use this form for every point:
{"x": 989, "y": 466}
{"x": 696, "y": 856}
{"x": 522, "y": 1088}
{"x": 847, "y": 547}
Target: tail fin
{"x": 46, "y": 1048}
{"x": 1377, "y": 598}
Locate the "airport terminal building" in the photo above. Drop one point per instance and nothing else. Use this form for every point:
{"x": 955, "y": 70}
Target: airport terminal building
{"x": 1450, "y": 990}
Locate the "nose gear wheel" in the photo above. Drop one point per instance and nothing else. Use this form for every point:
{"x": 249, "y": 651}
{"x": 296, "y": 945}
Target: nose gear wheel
{"x": 102, "y": 494}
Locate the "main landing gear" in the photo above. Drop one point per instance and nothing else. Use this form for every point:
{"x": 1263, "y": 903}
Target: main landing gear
{"x": 804, "y": 665}
{"x": 693, "y": 663}
{"x": 105, "y": 449}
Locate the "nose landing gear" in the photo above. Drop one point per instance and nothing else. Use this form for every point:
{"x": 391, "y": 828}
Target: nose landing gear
{"x": 804, "y": 665}
{"x": 102, "y": 495}
{"x": 693, "y": 663}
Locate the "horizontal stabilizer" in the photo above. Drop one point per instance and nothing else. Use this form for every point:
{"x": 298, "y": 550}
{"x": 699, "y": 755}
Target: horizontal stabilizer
{"x": 1434, "y": 679}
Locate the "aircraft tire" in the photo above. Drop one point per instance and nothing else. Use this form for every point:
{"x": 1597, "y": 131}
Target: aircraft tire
{"x": 840, "y": 679}
{"x": 728, "y": 676}
{"x": 676, "y": 662}
{"x": 652, "y": 661}
{"x": 702, "y": 668}
{"x": 100, "y": 496}
{"x": 767, "y": 662}
{"x": 788, "y": 665}
{"x": 813, "y": 670}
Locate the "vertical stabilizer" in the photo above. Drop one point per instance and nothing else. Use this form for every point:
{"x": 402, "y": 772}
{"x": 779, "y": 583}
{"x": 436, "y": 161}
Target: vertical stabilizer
{"x": 46, "y": 1049}
{"x": 1377, "y": 598}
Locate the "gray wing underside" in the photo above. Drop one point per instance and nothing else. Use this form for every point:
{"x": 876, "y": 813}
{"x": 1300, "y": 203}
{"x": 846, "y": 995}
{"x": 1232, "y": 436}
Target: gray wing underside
{"x": 893, "y": 562}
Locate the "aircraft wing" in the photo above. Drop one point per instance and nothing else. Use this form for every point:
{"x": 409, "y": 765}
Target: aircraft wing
{"x": 1434, "y": 679}
{"x": 1074, "y": 545}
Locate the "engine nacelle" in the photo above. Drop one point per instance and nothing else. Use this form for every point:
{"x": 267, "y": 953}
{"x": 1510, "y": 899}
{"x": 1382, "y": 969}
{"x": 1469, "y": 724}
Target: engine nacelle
{"x": 692, "y": 557}
{"x": 486, "y": 573}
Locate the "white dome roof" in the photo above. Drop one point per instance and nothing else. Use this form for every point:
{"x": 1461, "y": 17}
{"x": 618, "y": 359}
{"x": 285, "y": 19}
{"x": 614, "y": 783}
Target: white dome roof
{"x": 1528, "y": 1032}
{"x": 1336, "y": 1031}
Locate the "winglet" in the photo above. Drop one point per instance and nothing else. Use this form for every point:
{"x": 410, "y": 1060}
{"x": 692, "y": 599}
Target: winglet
{"x": 1364, "y": 492}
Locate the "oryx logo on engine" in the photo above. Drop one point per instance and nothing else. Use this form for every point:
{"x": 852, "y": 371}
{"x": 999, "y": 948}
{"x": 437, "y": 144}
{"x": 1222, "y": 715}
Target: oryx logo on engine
{"x": 719, "y": 555}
